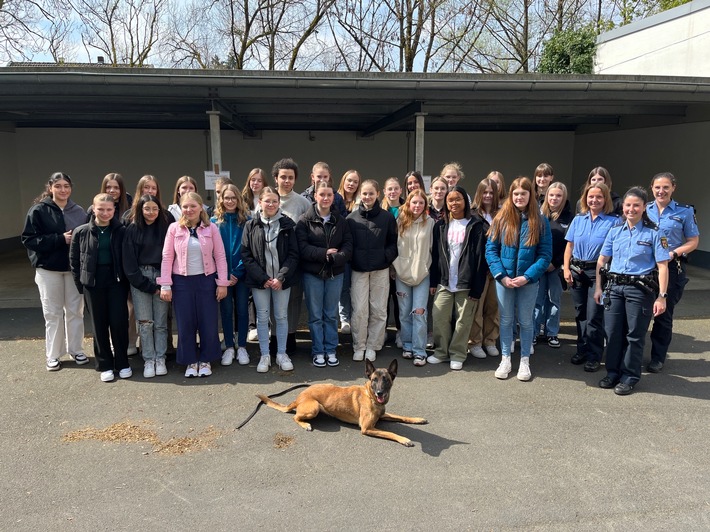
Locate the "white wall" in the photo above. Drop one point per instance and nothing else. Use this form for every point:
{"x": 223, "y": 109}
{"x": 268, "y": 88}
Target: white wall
{"x": 672, "y": 43}
{"x": 634, "y": 156}
{"x": 29, "y": 156}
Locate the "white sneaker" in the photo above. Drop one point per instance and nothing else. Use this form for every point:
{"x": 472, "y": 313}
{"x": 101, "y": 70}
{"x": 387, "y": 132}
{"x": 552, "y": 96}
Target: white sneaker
{"x": 191, "y": 370}
{"x": 477, "y": 351}
{"x": 264, "y": 363}
{"x": 252, "y": 335}
{"x": 319, "y": 361}
{"x": 284, "y": 362}
{"x": 149, "y": 369}
{"x": 431, "y": 359}
{"x": 370, "y": 355}
{"x": 491, "y": 350}
{"x": 503, "y": 368}
{"x": 132, "y": 351}
{"x": 79, "y": 358}
{"x": 228, "y": 356}
{"x": 160, "y": 367}
{"x": 456, "y": 365}
{"x": 345, "y": 327}
{"x": 53, "y": 364}
{"x": 524, "y": 369}
{"x": 398, "y": 340}
{"x": 430, "y": 341}
{"x": 242, "y": 356}
{"x": 107, "y": 376}
{"x": 332, "y": 360}
{"x": 205, "y": 369}
{"x": 359, "y": 355}
{"x": 125, "y": 373}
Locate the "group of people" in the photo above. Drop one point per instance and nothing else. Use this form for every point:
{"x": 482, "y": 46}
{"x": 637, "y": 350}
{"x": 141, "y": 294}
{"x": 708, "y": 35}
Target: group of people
{"x": 460, "y": 273}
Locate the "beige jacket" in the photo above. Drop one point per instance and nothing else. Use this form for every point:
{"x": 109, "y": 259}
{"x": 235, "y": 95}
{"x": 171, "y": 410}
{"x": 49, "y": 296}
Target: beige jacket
{"x": 414, "y": 251}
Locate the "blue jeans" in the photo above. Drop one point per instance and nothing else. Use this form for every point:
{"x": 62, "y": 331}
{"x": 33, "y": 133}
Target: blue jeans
{"x": 152, "y": 316}
{"x": 239, "y": 294}
{"x": 547, "y": 306}
{"x": 518, "y": 302}
{"x": 322, "y": 297}
{"x": 344, "y": 308}
{"x": 414, "y": 325}
{"x": 262, "y": 302}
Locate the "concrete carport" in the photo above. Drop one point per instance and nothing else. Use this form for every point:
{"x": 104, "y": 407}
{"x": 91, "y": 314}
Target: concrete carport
{"x": 89, "y": 120}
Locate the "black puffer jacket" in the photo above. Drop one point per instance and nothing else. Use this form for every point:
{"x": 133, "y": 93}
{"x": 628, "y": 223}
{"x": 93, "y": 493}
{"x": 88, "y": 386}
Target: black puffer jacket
{"x": 473, "y": 267}
{"x": 43, "y": 234}
{"x": 374, "y": 238}
{"x": 254, "y": 252}
{"x": 143, "y": 247}
{"x": 558, "y": 228}
{"x": 315, "y": 237}
{"x": 84, "y": 253}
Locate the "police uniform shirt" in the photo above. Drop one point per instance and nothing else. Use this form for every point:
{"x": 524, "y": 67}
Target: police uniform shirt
{"x": 677, "y": 222}
{"x": 588, "y": 235}
{"x": 635, "y": 250}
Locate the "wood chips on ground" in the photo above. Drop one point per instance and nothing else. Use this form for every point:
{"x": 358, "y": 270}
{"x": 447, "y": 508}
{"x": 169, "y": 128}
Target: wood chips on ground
{"x": 132, "y": 432}
{"x": 281, "y": 441}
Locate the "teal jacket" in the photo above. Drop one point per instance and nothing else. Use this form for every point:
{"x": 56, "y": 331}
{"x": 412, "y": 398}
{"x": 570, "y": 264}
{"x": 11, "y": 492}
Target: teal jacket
{"x": 231, "y": 233}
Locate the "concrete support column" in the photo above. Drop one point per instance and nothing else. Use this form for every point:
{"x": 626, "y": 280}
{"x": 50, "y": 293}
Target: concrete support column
{"x": 215, "y": 141}
{"x": 419, "y": 142}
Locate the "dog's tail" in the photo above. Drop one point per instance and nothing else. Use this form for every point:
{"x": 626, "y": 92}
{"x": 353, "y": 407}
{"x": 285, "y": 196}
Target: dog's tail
{"x": 273, "y": 404}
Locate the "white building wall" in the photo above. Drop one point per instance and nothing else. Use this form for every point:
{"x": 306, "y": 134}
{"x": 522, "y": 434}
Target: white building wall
{"x": 673, "y": 43}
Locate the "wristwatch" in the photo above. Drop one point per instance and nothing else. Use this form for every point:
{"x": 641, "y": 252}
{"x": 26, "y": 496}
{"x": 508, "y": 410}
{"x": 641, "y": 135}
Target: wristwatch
{"x": 663, "y": 295}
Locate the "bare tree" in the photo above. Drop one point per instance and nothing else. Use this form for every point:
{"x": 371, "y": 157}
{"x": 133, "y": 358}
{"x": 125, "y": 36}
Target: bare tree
{"x": 125, "y": 31}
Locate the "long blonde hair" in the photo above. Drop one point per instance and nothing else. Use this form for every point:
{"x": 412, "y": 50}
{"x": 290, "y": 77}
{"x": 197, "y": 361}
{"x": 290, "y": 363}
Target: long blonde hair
{"x": 194, "y": 196}
{"x": 180, "y": 181}
{"x": 247, "y": 192}
{"x": 350, "y": 203}
{"x": 547, "y": 211}
{"x": 242, "y": 210}
{"x": 385, "y": 203}
{"x": 406, "y": 218}
{"x": 507, "y": 222}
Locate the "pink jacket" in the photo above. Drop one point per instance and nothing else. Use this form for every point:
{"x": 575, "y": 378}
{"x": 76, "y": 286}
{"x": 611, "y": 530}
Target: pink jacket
{"x": 175, "y": 253}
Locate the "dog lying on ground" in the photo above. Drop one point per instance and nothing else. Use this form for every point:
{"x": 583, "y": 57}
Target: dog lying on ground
{"x": 362, "y": 405}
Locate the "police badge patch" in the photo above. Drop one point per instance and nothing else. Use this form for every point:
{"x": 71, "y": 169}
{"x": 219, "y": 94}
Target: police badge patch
{"x": 664, "y": 242}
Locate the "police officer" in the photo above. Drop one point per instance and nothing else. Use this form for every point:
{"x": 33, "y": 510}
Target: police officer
{"x": 585, "y": 237}
{"x": 680, "y": 231}
{"x": 635, "y": 249}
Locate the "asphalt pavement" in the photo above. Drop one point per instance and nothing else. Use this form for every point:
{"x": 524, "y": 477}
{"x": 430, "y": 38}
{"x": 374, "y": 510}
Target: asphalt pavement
{"x": 554, "y": 453}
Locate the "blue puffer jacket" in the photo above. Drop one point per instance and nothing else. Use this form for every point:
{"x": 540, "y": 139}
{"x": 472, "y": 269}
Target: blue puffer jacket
{"x": 231, "y": 233}
{"x": 513, "y": 261}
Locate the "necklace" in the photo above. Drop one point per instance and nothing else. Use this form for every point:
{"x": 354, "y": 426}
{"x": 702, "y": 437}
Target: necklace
{"x": 102, "y": 231}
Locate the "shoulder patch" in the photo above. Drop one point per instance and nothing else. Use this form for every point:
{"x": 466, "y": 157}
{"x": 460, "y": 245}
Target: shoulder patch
{"x": 664, "y": 242}
{"x": 650, "y": 224}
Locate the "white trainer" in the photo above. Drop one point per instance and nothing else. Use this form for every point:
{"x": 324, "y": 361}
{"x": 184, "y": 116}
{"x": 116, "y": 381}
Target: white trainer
{"x": 504, "y": 368}
{"x": 191, "y": 370}
{"x": 524, "y": 373}
{"x": 456, "y": 365}
{"x": 491, "y": 350}
{"x": 370, "y": 355}
{"x": 228, "y": 356}
{"x": 359, "y": 355}
{"x": 252, "y": 335}
{"x": 345, "y": 327}
{"x": 477, "y": 351}
{"x": 107, "y": 376}
{"x": 160, "y": 367}
{"x": 149, "y": 369}
{"x": 264, "y": 363}
{"x": 125, "y": 373}
{"x": 284, "y": 362}
{"x": 205, "y": 369}
{"x": 242, "y": 356}
{"x": 431, "y": 359}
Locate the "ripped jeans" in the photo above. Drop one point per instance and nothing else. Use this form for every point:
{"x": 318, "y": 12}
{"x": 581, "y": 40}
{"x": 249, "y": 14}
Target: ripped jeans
{"x": 152, "y": 318}
{"x": 414, "y": 325}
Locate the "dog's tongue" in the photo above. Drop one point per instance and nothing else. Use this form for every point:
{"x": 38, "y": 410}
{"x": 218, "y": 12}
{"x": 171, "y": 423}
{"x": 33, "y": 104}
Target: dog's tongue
{"x": 380, "y": 399}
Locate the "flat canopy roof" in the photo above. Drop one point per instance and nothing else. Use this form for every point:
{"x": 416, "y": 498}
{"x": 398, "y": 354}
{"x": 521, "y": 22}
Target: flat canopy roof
{"x": 103, "y": 96}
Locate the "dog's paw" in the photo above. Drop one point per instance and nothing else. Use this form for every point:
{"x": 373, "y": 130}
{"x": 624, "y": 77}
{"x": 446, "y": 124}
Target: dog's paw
{"x": 421, "y": 421}
{"x": 408, "y": 443}
{"x": 308, "y": 427}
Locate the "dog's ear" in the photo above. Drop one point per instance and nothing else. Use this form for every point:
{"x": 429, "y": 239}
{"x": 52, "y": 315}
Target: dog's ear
{"x": 392, "y": 370}
{"x": 369, "y": 368}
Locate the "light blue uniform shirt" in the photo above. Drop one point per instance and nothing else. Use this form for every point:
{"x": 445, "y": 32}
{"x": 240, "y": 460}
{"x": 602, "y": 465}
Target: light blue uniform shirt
{"x": 677, "y": 223}
{"x": 588, "y": 236}
{"x": 635, "y": 250}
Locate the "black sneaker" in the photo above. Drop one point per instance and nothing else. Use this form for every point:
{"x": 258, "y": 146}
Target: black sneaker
{"x": 553, "y": 341}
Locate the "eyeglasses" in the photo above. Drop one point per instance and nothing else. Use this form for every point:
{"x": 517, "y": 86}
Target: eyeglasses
{"x": 229, "y": 198}
{"x": 270, "y": 202}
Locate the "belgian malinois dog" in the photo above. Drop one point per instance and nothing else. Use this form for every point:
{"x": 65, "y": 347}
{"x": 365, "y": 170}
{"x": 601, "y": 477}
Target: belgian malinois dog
{"x": 362, "y": 405}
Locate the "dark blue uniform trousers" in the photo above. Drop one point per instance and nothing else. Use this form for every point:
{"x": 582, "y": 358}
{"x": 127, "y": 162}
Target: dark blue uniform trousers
{"x": 589, "y": 316}
{"x": 195, "y": 308}
{"x": 662, "y": 331}
{"x": 626, "y": 323}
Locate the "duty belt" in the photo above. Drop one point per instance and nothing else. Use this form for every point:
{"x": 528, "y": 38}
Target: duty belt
{"x": 584, "y": 264}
